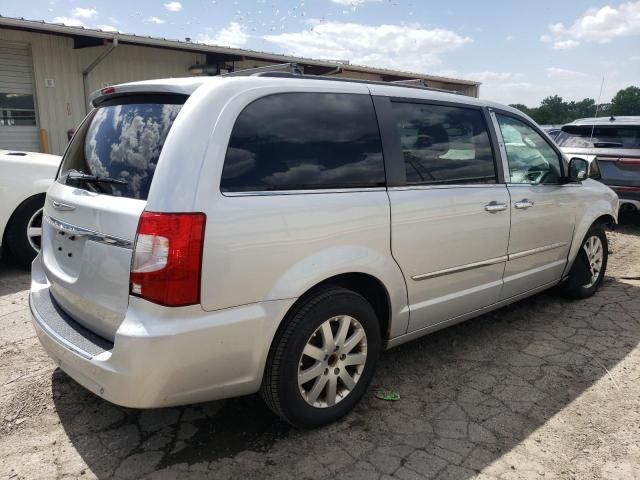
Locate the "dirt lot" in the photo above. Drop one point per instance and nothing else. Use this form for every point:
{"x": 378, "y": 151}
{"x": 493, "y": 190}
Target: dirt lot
{"x": 545, "y": 388}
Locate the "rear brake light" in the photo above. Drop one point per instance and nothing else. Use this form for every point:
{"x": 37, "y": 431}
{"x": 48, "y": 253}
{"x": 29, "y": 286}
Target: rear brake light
{"x": 167, "y": 258}
{"x": 107, "y": 91}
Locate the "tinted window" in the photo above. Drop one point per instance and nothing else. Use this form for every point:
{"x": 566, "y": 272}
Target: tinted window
{"x": 298, "y": 141}
{"x": 122, "y": 139}
{"x": 586, "y": 136}
{"x": 444, "y": 145}
{"x": 531, "y": 159}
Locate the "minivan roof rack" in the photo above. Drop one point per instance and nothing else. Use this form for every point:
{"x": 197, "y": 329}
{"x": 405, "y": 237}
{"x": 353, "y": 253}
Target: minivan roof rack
{"x": 291, "y": 68}
{"x": 295, "y": 70}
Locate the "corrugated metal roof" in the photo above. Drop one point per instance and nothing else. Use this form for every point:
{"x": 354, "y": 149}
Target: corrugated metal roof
{"x": 61, "y": 29}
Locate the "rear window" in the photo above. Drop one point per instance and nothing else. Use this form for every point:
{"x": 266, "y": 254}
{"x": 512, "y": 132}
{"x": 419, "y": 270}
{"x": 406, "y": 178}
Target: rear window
{"x": 599, "y": 137}
{"x": 303, "y": 141}
{"x": 121, "y": 140}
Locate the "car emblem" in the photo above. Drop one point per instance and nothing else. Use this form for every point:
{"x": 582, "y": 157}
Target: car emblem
{"x": 61, "y": 206}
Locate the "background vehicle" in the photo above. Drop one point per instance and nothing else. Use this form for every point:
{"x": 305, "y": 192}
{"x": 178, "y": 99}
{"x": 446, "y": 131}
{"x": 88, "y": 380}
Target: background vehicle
{"x": 614, "y": 142}
{"x": 214, "y": 237}
{"x": 24, "y": 180}
{"x": 552, "y": 130}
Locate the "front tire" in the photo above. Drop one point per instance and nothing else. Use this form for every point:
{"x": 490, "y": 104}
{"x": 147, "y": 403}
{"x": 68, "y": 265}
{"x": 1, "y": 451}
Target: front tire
{"x": 24, "y": 232}
{"x": 323, "y": 358}
{"x": 587, "y": 272}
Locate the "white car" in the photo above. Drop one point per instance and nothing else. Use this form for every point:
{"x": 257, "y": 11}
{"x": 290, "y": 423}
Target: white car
{"x": 24, "y": 180}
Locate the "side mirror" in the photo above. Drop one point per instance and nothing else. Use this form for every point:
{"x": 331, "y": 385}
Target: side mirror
{"x": 578, "y": 169}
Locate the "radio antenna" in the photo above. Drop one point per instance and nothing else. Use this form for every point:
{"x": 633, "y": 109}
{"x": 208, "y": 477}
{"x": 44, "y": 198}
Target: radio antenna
{"x": 593, "y": 126}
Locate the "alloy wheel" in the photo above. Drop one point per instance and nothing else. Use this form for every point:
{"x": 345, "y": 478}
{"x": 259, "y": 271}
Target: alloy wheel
{"x": 34, "y": 230}
{"x": 332, "y": 361}
{"x": 595, "y": 254}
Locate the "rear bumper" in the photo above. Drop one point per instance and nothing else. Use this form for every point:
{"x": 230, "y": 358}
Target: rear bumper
{"x": 160, "y": 356}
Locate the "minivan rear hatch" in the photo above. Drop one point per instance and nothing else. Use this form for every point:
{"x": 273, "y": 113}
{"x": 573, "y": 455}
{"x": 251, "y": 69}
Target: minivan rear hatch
{"x": 92, "y": 210}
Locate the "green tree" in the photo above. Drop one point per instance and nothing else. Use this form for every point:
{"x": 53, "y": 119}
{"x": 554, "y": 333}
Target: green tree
{"x": 626, "y": 102}
{"x": 552, "y": 110}
{"x": 524, "y": 109}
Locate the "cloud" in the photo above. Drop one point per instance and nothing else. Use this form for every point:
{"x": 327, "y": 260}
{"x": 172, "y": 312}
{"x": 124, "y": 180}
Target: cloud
{"x": 564, "y": 74}
{"x": 107, "y": 28}
{"x": 354, "y": 3}
{"x": 489, "y": 76}
{"x": 156, "y": 20}
{"x": 403, "y": 47}
{"x": 83, "y": 12}
{"x": 565, "y": 44}
{"x": 69, "y": 21}
{"x": 173, "y": 6}
{"x": 233, "y": 35}
{"x": 596, "y": 25}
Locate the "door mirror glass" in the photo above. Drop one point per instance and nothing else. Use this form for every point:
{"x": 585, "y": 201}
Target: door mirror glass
{"x": 578, "y": 169}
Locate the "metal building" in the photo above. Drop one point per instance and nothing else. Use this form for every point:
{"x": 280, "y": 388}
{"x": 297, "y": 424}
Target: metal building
{"x": 47, "y": 72}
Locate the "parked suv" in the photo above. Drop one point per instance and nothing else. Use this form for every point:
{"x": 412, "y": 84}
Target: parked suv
{"x": 214, "y": 237}
{"x": 612, "y": 145}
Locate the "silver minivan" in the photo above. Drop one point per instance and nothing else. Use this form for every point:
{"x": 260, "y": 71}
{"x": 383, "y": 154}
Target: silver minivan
{"x": 215, "y": 237}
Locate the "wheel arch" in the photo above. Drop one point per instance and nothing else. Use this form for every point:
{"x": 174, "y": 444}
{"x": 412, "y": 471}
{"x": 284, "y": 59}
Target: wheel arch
{"x": 597, "y": 217}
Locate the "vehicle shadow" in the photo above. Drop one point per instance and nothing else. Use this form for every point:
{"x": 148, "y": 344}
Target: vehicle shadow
{"x": 629, "y": 222}
{"x": 13, "y": 276}
{"x": 469, "y": 395}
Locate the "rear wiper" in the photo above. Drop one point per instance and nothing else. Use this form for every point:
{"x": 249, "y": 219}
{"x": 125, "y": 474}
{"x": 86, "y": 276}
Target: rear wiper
{"x": 608, "y": 144}
{"x": 85, "y": 177}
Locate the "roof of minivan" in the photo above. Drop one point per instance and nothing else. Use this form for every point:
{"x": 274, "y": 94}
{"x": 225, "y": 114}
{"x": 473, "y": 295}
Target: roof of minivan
{"x": 188, "y": 85}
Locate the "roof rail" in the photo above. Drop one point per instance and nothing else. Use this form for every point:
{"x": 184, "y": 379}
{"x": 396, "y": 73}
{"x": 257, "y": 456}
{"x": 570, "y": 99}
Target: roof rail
{"x": 290, "y": 68}
{"x": 295, "y": 70}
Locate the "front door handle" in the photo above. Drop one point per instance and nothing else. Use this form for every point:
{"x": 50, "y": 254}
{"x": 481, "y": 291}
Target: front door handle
{"x": 493, "y": 207}
{"x": 524, "y": 204}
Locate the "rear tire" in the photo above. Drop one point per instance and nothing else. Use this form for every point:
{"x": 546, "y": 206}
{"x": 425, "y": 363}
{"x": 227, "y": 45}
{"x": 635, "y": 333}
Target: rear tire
{"x": 25, "y": 222}
{"x": 587, "y": 272}
{"x": 322, "y": 358}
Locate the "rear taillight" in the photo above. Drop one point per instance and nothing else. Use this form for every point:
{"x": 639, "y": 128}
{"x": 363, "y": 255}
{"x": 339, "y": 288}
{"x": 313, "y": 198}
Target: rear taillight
{"x": 167, "y": 258}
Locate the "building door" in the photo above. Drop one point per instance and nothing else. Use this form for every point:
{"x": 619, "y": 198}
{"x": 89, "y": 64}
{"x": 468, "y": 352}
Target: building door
{"x": 18, "y": 129}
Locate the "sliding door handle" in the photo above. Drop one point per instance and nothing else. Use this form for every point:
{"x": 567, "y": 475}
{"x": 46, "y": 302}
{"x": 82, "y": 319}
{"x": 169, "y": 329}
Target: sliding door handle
{"x": 493, "y": 207}
{"x": 524, "y": 204}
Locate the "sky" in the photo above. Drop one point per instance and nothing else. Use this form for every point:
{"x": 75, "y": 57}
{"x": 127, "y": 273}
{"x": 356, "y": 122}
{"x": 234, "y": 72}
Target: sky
{"x": 521, "y": 51}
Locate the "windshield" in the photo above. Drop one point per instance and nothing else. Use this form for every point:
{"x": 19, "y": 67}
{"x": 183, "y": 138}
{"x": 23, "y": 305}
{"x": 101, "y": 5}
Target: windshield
{"x": 603, "y": 136}
{"x": 122, "y": 140}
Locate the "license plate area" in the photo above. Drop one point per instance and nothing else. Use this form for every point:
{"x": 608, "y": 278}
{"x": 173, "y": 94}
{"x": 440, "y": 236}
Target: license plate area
{"x": 68, "y": 248}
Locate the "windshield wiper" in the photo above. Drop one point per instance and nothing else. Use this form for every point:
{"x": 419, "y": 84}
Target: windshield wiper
{"x": 85, "y": 177}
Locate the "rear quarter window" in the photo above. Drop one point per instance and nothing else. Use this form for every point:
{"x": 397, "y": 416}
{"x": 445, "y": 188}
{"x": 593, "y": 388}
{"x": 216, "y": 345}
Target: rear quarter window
{"x": 122, "y": 140}
{"x": 303, "y": 141}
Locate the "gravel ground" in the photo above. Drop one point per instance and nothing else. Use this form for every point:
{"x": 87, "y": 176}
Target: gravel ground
{"x": 545, "y": 388}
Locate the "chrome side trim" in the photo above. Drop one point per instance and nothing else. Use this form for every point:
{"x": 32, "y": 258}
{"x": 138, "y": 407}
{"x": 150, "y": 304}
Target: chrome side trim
{"x": 533, "y": 251}
{"x": 89, "y": 234}
{"x": 491, "y": 261}
{"x": 461, "y": 268}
